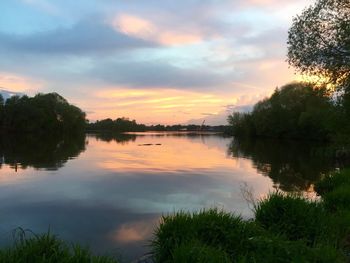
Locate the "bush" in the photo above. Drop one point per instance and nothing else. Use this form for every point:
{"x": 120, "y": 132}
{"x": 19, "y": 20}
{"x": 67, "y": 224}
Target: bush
{"x": 332, "y": 181}
{"x": 271, "y": 248}
{"x": 292, "y": 216}
{"x": 195, "y": 252}
{"x": 210, "y": 227}
{"x": 338, "y": 199}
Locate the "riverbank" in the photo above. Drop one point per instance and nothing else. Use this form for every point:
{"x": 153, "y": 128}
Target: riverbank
{"x": 285, "y": 228}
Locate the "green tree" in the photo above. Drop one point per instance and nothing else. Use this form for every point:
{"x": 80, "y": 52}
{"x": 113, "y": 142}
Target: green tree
{"x": 297, "y": 110}
{"x": 241, "y": 124}
{"x": 43, "y": 113}
{"x": 319, "y": 41}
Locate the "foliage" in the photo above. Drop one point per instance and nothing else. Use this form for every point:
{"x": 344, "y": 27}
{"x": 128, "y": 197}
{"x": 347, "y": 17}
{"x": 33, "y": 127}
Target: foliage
{"x": 292, "y": 216}
{"x": 125, "y": 125}
{"x": 47, "y": 248}
{"x": 297, "y": 110}
{"x": 332, "y": 181}
{"x": 270, "y": 248}
{"x": 241, "y": 124}
{"x": 199, "y": 236}
{"x": 318, "y": 45}
{"x": 319, "y": 41}
{"x": 338, "y": 199}
{"x": 286, "y": 228}
{"x": 118, "y": 125}
{"x": 209, "y": 227}
{"x": 195, "y": 252}
{"x": 44, "y": 113}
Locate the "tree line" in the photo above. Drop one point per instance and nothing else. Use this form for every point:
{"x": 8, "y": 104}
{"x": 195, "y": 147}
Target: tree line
{"x": 318, "y": 45}
{"x": 123, "y": 124}
{"x": 42, "y": 114}
{"x": 297, "y": 111}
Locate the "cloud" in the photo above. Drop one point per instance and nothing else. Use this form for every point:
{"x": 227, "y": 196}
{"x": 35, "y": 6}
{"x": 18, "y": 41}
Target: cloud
{"x": 43, "y": 6}
{"x": 157, "y": 73}
{"x": 145, "y": 29}
{"x": 175, "y": 51}
{"x": 87, "y": 36}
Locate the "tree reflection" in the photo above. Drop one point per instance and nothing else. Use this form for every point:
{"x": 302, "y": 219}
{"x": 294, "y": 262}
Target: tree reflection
{"x": 120, "y": 138}
{"x": 292, "y": 165}
{"x": 40, "y": 152}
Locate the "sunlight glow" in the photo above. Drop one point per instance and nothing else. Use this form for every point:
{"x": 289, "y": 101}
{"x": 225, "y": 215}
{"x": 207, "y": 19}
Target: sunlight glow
{"x": 19, "y": 83}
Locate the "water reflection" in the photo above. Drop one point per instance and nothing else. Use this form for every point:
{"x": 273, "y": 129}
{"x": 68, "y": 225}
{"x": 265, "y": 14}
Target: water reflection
{"x": 111, "y": 195}
{"x": 116, "y": 137}
{"x": 292, "y": 165}
{"x": 51, "y": 153}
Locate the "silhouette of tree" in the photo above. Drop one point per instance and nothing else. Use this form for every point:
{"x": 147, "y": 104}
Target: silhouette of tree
{"x": 319, "y": 41}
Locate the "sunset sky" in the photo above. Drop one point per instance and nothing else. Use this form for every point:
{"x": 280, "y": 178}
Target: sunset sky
{"x": 154, "y": 61}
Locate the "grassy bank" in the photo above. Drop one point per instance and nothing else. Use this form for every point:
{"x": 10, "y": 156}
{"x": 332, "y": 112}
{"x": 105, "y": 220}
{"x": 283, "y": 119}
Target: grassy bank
{"x": 286, "y": 228}
{"x": 47, "y": 248}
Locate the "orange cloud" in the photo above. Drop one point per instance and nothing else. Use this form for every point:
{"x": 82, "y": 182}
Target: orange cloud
{"x": 145, "y": 29}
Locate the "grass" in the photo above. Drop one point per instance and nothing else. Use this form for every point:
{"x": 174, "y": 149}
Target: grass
{"x": 216, "y": 236}
{"x": 332, "y": 181}
{"x": 47, "y": 248}
{"x": 286, "y": 228}
{"x": 292, "y": 216}
{"x": 338, "y": 199}
{"x": 209, "y": 227}
{"x": 196, "y": 252}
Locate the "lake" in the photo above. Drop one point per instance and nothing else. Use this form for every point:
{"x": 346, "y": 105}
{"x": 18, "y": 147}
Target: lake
{"x": 109, "y": 191}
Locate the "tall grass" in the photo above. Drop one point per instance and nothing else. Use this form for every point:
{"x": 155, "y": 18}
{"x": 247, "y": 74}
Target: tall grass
{"x": 210, "y": 227}
{"x": 47, "y": 248}
{"x": 338, "y": 199}
{"x": 286, "y": 228}
{"x": 213, "y": 234}
{"x": 292, "y": 216}
{"x": 332, "y": 181}
{"x": 196, "y": 252}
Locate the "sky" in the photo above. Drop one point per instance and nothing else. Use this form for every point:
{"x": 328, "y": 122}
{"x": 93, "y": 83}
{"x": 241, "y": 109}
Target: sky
{"x": 162, "y": 61}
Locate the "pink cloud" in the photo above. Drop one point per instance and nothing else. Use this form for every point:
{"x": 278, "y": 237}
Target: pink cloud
{"x": 145, "y": 29}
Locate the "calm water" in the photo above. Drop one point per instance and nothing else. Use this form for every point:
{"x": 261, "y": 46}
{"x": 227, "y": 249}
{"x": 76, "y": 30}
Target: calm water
{"x": 108, "y": 192}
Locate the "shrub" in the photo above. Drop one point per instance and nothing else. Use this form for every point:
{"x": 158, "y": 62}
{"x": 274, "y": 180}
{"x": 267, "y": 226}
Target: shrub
{"x": 292, "y": 216}
{"x": 332, "y": 181}
{"x": 212, "y": 228}
{"x": 275, "y": 249}
{"x": 338, "y": 199}
{"x": 215, "y": 236}
{"x": 195, "y": 252}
